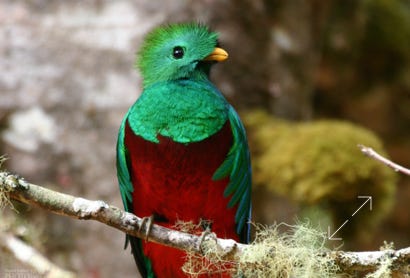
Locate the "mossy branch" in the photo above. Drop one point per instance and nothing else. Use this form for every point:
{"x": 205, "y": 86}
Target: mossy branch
{"x": 228, "y": 250}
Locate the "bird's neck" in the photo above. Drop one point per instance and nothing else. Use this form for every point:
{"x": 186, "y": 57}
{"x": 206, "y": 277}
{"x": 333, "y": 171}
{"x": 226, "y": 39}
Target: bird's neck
{"x": 200, "y": 72}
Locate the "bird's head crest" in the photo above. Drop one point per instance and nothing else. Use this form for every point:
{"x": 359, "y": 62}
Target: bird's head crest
{"x": 176, "y": 51}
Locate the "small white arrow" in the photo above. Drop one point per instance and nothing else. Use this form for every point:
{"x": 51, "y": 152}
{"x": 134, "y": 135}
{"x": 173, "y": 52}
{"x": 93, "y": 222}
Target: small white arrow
{"x": 369, "y": 198}
{"x": 331, "y": 236}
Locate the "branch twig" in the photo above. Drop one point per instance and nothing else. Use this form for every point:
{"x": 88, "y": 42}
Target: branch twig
{"x": 228, "y": 249}
{"x": 31, "y": 257}
{"x": 373, "y": 154}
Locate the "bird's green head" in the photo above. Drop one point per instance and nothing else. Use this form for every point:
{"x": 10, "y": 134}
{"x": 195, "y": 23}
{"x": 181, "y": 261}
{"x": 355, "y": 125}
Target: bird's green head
{"x": 178, "y": 51}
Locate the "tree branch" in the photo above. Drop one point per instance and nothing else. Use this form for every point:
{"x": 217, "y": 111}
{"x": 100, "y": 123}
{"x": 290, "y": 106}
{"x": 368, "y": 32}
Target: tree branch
{"x": 31, "y": 257}
{"x": 373, "y": 154}
{"x": 228, "y": 250}
{"x": 396, "y": 260}
{"x": 75, "y": 207}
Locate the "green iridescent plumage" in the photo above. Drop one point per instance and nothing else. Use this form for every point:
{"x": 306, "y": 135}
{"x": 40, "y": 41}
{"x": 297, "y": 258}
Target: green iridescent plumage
{"x": 184, "y": 117}
{"x": 155, "y": 60}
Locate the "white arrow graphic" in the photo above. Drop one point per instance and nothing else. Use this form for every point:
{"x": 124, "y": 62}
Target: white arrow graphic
{"x": 331, "y": 236}
{"x": 369, "y": 198}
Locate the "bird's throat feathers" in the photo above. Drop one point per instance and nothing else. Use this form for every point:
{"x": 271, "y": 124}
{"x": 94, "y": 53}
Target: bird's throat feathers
{"x": 185, "y": 110}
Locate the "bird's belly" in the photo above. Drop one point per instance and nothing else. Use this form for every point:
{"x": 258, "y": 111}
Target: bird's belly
{"x": 174, "y": 182}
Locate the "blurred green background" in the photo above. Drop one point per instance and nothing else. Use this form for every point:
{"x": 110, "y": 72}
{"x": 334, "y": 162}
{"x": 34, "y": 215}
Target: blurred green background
{"x": 311, "y": 79}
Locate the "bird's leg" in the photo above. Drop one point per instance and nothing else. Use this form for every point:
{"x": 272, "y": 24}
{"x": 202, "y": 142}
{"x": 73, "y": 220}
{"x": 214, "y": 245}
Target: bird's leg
{"x": 146, "y": 225}
{"x": 206, "y": 226}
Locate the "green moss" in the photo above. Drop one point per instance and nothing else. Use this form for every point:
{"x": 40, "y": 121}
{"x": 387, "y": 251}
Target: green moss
{"x": 295, "y": 253}
{"x": 319, "y": 163}
{"x": 278, "y": 250}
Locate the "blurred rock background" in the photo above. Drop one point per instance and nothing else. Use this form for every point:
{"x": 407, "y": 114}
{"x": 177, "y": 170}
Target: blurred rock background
{"x": 67, "y": 78}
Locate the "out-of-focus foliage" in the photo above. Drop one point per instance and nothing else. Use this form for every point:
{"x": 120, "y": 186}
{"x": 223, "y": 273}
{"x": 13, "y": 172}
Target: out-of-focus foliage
{"x": 318, "y": 163}
{"x": 364, "y": 71}
{"x": 385, "y": 48}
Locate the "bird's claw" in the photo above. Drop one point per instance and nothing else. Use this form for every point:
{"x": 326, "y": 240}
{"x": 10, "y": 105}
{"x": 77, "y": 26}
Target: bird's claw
{"x": 146, "y": 225}
{"x": 207, "y": 232}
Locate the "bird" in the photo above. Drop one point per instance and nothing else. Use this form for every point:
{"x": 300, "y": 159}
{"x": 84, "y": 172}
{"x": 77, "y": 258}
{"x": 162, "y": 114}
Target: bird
{"x": 182, "y": 152}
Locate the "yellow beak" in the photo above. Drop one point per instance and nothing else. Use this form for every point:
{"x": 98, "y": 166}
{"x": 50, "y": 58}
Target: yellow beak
{"x": 217, "y": 55}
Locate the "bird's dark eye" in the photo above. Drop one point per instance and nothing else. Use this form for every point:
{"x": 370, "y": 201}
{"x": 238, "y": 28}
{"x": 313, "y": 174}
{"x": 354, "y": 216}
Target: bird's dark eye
{"x": 178, "y": 52}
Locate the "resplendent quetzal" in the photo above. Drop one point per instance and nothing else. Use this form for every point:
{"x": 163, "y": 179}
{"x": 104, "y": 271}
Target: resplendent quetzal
{"x": 182, "y": 152}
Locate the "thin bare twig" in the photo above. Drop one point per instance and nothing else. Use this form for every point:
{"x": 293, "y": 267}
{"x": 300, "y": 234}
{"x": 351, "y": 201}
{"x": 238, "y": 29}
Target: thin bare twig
{"x": 373, "y": 154}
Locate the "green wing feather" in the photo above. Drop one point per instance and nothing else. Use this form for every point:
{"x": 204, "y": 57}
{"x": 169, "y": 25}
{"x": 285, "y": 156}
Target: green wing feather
{"x": 238, "y": 167}
{"x": 126, "y": 189}
{"x": 124, "y": 178}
